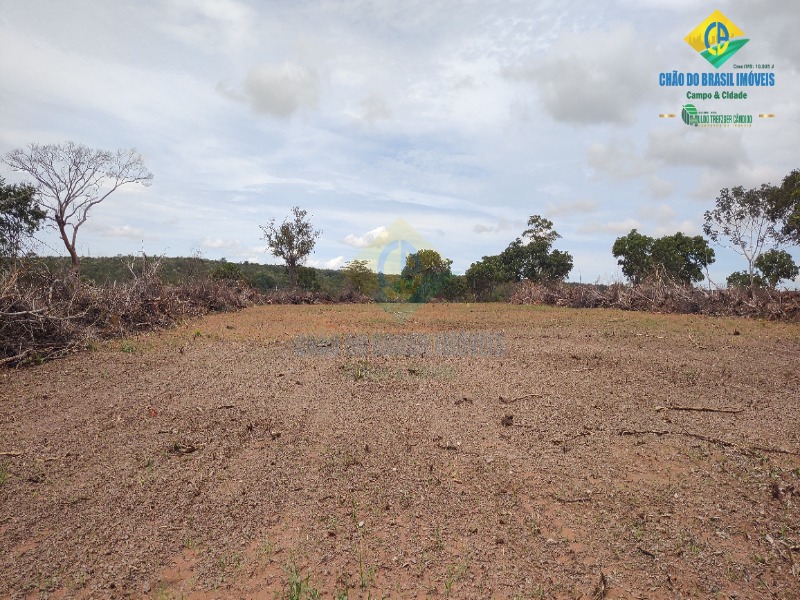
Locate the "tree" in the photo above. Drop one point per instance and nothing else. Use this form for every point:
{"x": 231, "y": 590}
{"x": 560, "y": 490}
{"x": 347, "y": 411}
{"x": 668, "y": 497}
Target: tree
{"x": 746, "y": 218}
{"x": 20, "y": 217}
{"x": 226, "y": 271}
{"x": 293, "y": 240}
{"x": 784, "y": 206}
{"x": 634, "y": 253}
{"x": 425, "y": 262}
{"x": 775, "y": 266}
{"x": 530, "y": 256}
{"x": 681, "y": 257}
{"x": 426, "y": 273}
{"x": 361, "y": 277}
{"x": 71, "y": 179}
{"x": 486, "y": 274}
{"x": 677, "y": 257}
{"x": 741, "y": 279}
{"x": 307, "y": 279}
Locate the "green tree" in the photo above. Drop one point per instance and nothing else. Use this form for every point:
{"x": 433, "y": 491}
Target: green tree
{"x": 683, "y": 258}
{"x": 741, "y": 279}
{"x": 634, "y": 254}
{"x": 530, "y": 256}
{"x": 20, "y": 217}
{"x": 307, "y": 278}
{"x": 361, "y": 277}
{"x": 71, "y": 179}
{"x": 226, "y": 271}
{"x": 747, "y": 220}
{"x": 775, "y": 266}
{"x": 784, "y": 206}
{"x": 486, "y": 274}
{"x": 426, "y": 273}
{"x": 293, "y": 240}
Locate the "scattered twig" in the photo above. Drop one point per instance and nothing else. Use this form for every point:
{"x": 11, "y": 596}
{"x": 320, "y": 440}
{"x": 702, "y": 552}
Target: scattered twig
{"x": 733, "y": 411}
{"x": 10, "y": 453}
{"x": 512, "y": 400}
{"x": 573, "y": 500}
{"x": 645, "y": 432}
{"x": 446, "y": 446}
{"x": 600, "y": 589}
{"x": 645, "y": 552}
{"x": 713, "y": 440}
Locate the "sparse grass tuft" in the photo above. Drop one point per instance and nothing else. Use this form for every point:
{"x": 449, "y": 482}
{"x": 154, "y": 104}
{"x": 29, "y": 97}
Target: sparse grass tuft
{"x": 298, "y": 587}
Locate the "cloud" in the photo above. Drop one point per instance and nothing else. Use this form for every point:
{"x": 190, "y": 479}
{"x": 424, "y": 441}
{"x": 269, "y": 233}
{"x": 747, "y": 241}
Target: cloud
{"x": 220, "y": 244}
{"x": 333, "y": 263}
{"x": 696, "y": 147}
{"x": 375, "y": 109}
{"x": 126, "y": 232}
{"x": 592, "y": 76}
{"x": 499, "y": 226}
{"x": 610, "y": 227}
{"x": 619, "y": 158}
{"x": 368, "y": 239}
{"x": 281, "y": 90}
{"x": 559, "y": 208}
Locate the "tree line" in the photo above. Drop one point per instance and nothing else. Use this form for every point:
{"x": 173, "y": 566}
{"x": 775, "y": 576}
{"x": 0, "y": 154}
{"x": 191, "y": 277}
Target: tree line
{"x": 69, "y": 180}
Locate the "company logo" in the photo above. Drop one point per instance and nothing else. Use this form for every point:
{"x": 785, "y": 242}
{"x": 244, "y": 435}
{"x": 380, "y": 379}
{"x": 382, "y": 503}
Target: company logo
{"x": 716, "y": 39}
{"x": 696, "y": 118}
{"x": 689, "y": 114}
{"x": 386, "y": 253}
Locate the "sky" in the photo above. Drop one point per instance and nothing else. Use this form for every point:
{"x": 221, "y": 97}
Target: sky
{"x": 460, "y": 118}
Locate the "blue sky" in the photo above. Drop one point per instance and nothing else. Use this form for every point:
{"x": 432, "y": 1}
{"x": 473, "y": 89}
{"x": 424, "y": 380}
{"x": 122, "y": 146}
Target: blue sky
{"x": 461, "y": 118}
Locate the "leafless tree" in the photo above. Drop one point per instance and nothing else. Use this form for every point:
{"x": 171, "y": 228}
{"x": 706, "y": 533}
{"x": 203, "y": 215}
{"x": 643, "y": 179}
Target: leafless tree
{"x": 71, "y": 179}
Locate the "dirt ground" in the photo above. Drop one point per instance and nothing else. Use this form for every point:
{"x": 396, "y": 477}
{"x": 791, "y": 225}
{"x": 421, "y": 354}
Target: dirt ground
{"x": 215, "y": 461}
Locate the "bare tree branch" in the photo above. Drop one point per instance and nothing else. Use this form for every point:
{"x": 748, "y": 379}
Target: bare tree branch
{"x": 72, "y": 178}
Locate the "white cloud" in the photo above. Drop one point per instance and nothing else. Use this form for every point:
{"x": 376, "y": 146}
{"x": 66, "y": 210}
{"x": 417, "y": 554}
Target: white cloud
{"x": 220, "y": 244}
{"x": 595, "y": 76}
{"x": 370, "y": 238}
{"x": 125, "y": 231}
{"x": 500, "y": 226}
{"x": 610, "y": 227}
{"x": 570, "y": 207}
{"x": 333, "y": 263}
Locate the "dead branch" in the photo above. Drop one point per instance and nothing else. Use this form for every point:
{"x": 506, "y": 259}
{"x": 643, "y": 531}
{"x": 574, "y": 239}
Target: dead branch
{"x": 733, "y": 411}
{"x": 713, "y": 440}
{"x": 511, "y": 400}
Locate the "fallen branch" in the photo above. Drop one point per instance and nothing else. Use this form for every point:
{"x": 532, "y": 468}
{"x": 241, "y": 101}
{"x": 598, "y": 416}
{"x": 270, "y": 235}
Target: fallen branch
{"x": 713, "y": 440}
{"x": 511, "y": 400}
{"x": 10, "y": 453}
{"x": 573, "y": 500}
{"x": 600, "y": 589}
{"x": 732, "y": 411}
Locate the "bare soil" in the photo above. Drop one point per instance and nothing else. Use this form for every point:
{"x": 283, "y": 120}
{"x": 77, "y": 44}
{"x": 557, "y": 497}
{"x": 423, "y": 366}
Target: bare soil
{"x": 213, "y": 461}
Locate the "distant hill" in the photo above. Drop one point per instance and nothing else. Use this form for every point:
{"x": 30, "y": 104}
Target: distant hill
{"x": 107, "y": 270}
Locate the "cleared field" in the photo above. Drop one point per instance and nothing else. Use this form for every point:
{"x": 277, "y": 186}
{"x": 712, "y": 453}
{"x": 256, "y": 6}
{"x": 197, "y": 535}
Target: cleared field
{"x": 602, "y": 454}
